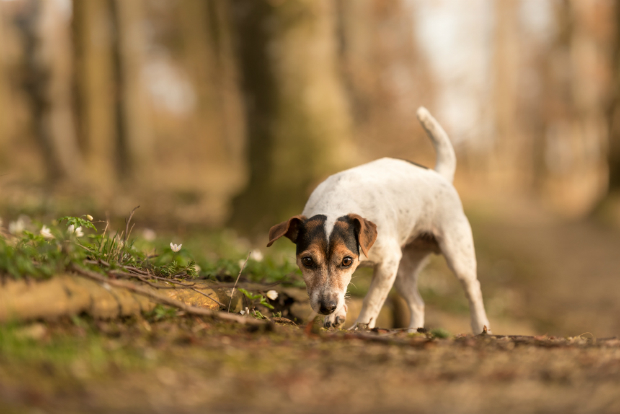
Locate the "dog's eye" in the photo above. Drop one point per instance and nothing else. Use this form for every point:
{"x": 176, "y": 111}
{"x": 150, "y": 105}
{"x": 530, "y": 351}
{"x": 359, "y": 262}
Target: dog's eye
{"x": 347, "y": 261}
{"x": 307, "y": 261}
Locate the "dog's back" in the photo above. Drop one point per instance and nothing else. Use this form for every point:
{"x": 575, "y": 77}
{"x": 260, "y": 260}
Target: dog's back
{"x": 401, "y": 198}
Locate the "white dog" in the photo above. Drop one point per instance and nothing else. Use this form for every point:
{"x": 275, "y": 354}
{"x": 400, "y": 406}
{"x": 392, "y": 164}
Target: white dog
{"x": 396, "y": 214}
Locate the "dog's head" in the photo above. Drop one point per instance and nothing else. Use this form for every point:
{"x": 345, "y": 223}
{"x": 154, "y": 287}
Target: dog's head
{"x": 327, "y": 257}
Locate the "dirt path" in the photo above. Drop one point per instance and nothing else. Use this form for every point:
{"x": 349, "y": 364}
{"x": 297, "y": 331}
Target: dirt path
{"x": 187, "y": 366}
{"x": 569, "y": 273}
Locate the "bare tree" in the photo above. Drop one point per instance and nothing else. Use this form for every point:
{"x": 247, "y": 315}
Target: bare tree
{"x": 4, "y": 89}
{"x": 47, "y": 80}
{"x": 134, "y": 136}
{"x": 92, "y": 39}
{"x": 297, "y": 118}
{"x": 614, "y": 111}
{"x": 577, "y": 91}
{"x": 386, "y": 77}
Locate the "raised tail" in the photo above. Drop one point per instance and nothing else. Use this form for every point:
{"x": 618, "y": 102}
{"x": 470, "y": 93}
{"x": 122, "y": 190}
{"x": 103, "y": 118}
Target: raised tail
{"x": 446, "y": 159}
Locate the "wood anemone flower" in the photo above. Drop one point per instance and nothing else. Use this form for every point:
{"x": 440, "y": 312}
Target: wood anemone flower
{"x": 175, "y": 247}
{"x": 46, "y": 232}
{"x": 17, "y": 227}
{"x": 77, "y": 231}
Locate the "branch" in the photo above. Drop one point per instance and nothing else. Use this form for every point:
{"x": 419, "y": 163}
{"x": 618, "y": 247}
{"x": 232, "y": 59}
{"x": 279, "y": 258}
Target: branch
{"x": 140, "y": 290}
{"x": 238, "y": 276}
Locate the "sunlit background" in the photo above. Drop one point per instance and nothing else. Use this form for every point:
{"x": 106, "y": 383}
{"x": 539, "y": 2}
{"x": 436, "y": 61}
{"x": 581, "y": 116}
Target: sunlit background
{"x": 227, "y": 113}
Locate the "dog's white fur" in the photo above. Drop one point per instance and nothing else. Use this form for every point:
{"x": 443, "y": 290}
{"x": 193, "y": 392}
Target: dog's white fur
{"x": 404, "y": 201}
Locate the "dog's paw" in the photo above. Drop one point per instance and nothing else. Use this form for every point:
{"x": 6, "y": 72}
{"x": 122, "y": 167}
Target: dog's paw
{"x": 336, "y": 319}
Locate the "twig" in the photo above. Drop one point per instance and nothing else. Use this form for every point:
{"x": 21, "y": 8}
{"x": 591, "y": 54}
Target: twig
{"x": 136, "y": 270}
{"x": 193, "y": 310}
{"x": 204, "y": 294}
{"x": 127, "y": 231}
{"x": 163, "y": 279}
{"x": 152, "y": 284}
{"x": 139, "y": 276}
{"x": 238, "y": 276}
{"x": 173, "y": 281}
{"x": 85, "y": 248}
{"x": 107, "y": 223}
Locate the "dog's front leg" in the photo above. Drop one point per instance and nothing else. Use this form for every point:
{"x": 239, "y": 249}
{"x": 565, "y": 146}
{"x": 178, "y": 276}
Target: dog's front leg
{"x": 382, "y": 281}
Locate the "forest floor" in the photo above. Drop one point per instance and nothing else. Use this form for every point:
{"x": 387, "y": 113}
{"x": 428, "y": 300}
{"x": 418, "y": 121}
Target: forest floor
{"x": 186, "y": 365}
{"x": 540, "y": 277}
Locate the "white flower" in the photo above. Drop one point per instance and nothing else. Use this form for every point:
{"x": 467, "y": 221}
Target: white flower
{"x": 45, "y": 232}
{"x": 272, "y": 294}
{"x": 149, "y": 234}
{"x": 242, "y": 312}
{"x": 78, "y": 232}
{"x": 89, "y": 217}
{"x": 16, "y": 227}
{"x": 256, "y": 255}
{"x": 197, "y": 268}
{"x": 175, "y": 247}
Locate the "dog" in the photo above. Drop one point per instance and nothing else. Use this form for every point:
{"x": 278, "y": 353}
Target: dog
{"x": 391, "y": 214}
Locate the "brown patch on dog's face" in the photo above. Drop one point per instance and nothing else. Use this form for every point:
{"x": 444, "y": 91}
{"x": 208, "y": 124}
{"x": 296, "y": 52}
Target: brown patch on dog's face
{"x": 327, "y": 265}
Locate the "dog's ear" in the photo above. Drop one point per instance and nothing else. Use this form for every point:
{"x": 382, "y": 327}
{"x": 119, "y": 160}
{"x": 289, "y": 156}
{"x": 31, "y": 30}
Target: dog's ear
{"x": 289, "y": 228}
{"x": 366, "y": 232}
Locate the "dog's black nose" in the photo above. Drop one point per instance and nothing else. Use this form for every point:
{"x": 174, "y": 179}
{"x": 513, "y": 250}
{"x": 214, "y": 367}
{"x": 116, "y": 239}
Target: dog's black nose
{"x": 327, "y": 306}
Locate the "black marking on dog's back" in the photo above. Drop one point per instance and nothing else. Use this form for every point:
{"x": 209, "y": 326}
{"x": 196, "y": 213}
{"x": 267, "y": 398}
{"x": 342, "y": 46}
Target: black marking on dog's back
{"x": 313, "y": 229}
{"x": 344, "y": 232}
{"x": 414, "y": 163}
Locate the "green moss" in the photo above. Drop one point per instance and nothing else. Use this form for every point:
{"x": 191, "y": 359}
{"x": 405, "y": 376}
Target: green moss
{"x": 440, "y": 333}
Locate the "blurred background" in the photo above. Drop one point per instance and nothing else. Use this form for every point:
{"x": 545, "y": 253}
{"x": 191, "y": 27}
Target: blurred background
{"x": 227, "y": 113}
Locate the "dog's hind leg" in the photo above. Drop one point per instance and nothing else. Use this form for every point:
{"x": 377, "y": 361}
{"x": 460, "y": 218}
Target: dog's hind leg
{"x": 413, "y": 261}
{"x": 457, "y": 245}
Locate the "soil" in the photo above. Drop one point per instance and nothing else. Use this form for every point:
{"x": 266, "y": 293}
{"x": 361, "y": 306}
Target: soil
{"x": 187, "y": 365}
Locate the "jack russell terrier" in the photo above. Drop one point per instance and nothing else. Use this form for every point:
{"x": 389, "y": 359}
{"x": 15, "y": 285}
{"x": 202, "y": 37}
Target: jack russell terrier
{"x": 396, "y": 214}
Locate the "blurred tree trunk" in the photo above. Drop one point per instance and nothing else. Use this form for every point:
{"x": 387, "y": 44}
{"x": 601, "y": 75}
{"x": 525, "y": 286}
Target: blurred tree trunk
{"x": 577, "y": 89}
{"x": 200, "y": 54}
{"x": 614, "y": 113}
{"x": 386, "y": 76}
{"x": 133, "y": 133}
{"x": 507, "y": 155}
{"x": 227, "y": 81}
{"x": 94, "y": 94}
{"x": 297, "y": 117}
{"x": 48, "y": 74}
{"x": 5, "y": 109}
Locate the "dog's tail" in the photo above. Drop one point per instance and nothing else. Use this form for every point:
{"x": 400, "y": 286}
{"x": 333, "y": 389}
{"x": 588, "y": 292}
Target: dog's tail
{"x": 446, "y": 159}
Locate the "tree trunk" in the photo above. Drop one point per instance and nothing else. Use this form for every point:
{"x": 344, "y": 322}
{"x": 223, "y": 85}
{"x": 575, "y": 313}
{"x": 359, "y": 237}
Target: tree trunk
{"x": 577, "y": 90}
{"x": 94, "y": 95}
{"x": 48, "y": 74}
{"x": 386, "y": 76}
{"x": 297, "y": 117}
{"x": 134, "y": 136}
{"x": 5, "y": 109}
{"x": 614, "y": 113}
